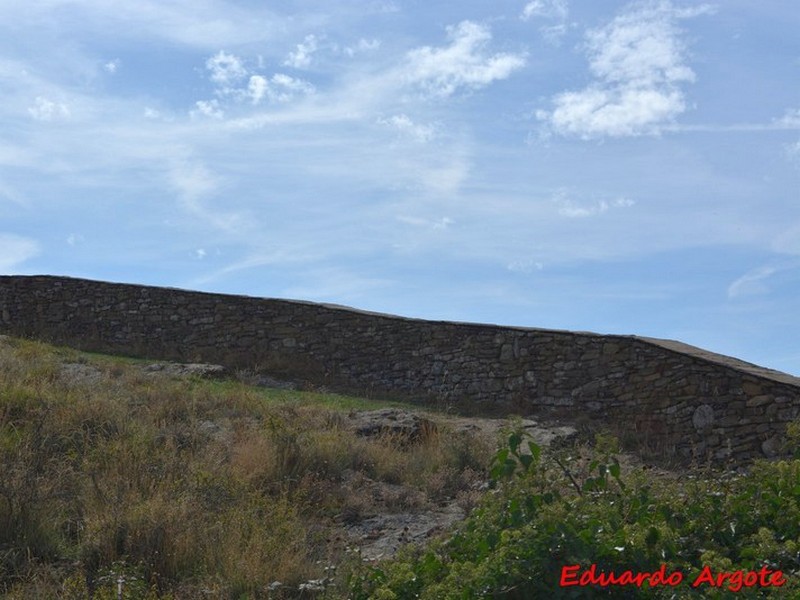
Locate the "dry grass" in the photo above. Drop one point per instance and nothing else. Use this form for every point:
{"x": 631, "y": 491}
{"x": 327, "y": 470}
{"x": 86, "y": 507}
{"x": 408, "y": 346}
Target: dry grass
{"x": 187, "y": 488}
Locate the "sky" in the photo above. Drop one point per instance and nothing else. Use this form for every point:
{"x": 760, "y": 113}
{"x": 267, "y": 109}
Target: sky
{"x": 616, "y": 167}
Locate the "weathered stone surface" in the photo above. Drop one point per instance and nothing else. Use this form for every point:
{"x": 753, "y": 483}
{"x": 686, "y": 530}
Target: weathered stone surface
{"x": 621, "y": 380}
{"x": 81, "y": 374}
{"x": 760, "y": 400}
{"x": 703, "y": 417}
{"x": 771, "y": 447}
{"x": 188, "y": 369}
{"x": 393, "y": 422}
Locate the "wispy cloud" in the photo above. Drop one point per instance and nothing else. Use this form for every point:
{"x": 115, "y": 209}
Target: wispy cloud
{"x": 553, "y": 12}
{"x": 195, "y": 185}
{"x": 236, "y": 83}
{"x": 405, "y": 127}
{"x": 280, "y": 88}
{"x": 112, "y": 66}
{"x": 639, "y": 62}
{"x": 550, "y": 9}
{"x": 573, "y": 209}
{"x": 226, "y": 70}
{"x": 203, "y": 23}
{"x": 15, "y": 250}
{"x": 756, "y": 281}
{"x": 301, "y": 57}
{"x": 525, "y": 265}
{"x": 336, "y": 284}
{"x": 434, "y": 224}
{"x": 74, "y": 239}
{"x": 464, "y": 63}
{"x": 363, "y": 45}
{"x": 48, "y": 110}
{"x": 791, "y": 119}
{"x": 203, "y": 108}
{"x": 10, "y": 193}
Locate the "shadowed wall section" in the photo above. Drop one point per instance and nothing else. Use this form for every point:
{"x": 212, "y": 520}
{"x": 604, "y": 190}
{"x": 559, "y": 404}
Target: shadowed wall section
{"x": 668, "y": 395}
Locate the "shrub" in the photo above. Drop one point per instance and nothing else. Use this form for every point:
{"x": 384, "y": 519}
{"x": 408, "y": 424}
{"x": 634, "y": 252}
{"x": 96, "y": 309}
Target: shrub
{"x": 551, "y": 510}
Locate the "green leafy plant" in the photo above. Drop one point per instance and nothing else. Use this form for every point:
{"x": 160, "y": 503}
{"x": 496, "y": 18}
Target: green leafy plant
{"x": 512, "y": 459}
{"x": 577, "y": 507}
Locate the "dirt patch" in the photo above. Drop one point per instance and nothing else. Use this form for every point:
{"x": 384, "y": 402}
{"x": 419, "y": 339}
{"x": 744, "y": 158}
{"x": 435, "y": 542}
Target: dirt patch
{"x": 380, "y": 534}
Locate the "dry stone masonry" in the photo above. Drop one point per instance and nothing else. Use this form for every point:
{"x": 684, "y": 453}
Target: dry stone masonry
{"x": 660, "y": 394}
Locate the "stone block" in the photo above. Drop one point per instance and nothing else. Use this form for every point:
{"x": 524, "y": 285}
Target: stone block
{"x": 759, "y": 400}
{"x": 703, "y": 417}
{"x": 752, "y": 388}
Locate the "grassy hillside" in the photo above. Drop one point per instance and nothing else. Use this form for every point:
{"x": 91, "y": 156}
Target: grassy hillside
{"x": 188, "y": 488}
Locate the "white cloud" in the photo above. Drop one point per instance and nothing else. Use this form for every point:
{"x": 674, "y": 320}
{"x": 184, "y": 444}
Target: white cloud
{"x": 73, "y": 239}
{"x": 192, "y": 180}
{"x": 445, "y": 176}
{"x": 525, "y": 266}
{"x": 207, "y": 108}
{"x": 408, "y": 128}
{"x": 549, "y": 9}
{"x": 554, "y": 33}
{"x": 111, "y": 66}
{"x": 47, "y": 110}
{"x": 751, "y": 283}
{"x": 279, "y": 88}
{"x": 301, "y": 58}
{"x": 257, "y": 88}
{"x": 639, "y": 63}
{"x": 236, "y": 84}
{"x": 226, "y": 69}
{"x": 555, "y": 12}
{"x": 10, "y": 193}
{"x": 463, "y": 63}
{"x": 15, "y": 250}
{"x": 363, "y": 45}
{"x": 202, "y": 24}
{"x": 288, "y": 255}
{"x": 567, "y": 207}
{"x": 336, "y": 284}
{"x": 194, "y": 184}
{"x": 437, "y": 224}
{"x": 790, "y": 120}
{"x": 284, "y": 88}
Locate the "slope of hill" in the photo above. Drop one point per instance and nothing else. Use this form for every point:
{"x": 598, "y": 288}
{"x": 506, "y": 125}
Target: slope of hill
{"x": 189, "y": 486}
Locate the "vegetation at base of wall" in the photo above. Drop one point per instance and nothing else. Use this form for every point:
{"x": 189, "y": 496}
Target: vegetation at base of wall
{"x": 116, "y": 478}
{"x": 113, "y": 479}
{"x": 578, "y": 507}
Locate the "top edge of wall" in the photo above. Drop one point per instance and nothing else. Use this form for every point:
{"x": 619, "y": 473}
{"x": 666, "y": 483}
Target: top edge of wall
{"x": 673, "y": 346}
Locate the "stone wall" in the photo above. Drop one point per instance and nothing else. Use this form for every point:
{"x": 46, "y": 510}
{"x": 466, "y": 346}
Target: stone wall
{"x": 660, "y": 394}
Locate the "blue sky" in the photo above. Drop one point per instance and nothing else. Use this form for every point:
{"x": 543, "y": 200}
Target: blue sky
{"x": 615, "y": 167}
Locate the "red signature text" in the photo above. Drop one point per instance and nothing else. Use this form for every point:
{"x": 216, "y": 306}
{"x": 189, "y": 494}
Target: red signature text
{"x": 734, "y": 581}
